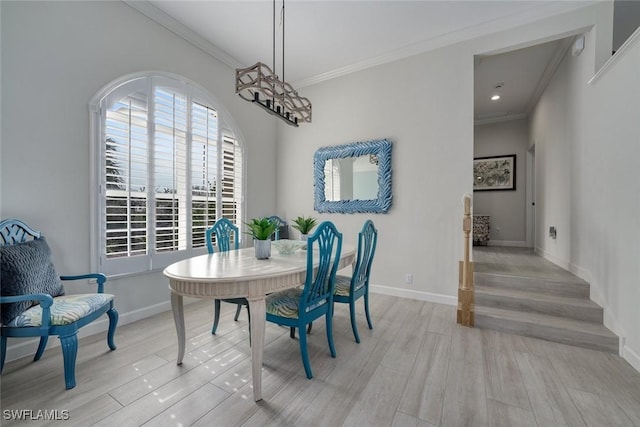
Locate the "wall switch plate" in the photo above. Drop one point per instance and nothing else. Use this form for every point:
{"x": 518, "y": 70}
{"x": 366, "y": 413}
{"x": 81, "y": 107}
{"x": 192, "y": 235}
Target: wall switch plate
{"x": 408, "y": 279}
{"x": 552, "y": 232}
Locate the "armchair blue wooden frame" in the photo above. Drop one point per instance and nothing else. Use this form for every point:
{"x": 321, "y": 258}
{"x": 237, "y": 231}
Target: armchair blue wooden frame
{"x": 298, "y": 307}
{"x": 54, "y": 320}
{"x": 350, "y": 289}
{"x": 223, "y": 228}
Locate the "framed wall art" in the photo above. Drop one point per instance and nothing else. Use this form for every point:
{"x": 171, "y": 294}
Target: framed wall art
{"x": 494, "y": 173}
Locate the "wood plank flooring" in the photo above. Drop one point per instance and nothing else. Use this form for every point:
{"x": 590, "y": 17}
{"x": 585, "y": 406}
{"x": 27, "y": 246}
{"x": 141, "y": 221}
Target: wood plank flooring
{"x": 417, "y": 367}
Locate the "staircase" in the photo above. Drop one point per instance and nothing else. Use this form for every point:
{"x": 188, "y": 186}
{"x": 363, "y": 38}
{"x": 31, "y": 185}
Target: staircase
{"x": 519, "y": 292}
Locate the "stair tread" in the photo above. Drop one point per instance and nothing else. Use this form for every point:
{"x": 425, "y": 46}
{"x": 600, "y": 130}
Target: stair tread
{"x": 547, "y": 320}
{"x": 572, "y": 280}
{"x": 539, "y": 270}
{"x": 537, "y": 295}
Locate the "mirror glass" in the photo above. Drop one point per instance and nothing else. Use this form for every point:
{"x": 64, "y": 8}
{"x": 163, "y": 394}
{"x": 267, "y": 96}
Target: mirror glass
{"x": 353, "y": 177}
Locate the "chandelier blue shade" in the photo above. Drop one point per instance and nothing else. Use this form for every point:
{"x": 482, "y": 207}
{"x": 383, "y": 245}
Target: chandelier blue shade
{"x": 260, "y": 84}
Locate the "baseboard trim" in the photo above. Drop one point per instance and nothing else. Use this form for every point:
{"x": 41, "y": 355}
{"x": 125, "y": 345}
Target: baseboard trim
{"x": 631, "y": 356}
{"x": 554, "y": 259}
{"x": 511, "y": 243}
{"x": 27, "y": 347}
{"x": 409, "y": 293}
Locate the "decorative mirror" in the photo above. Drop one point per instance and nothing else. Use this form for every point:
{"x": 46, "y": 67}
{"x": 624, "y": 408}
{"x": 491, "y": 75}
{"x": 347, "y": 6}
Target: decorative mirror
{"x": 353, "y": 177}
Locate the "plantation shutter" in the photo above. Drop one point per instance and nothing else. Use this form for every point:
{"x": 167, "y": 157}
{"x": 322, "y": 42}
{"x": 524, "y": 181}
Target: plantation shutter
{"x": 170, "y": 169}
{"x": 231, "y": 179}
{"x": 167, "y": 172}
{"x": 204, "y": 171}
{"x": 126, "y": 166}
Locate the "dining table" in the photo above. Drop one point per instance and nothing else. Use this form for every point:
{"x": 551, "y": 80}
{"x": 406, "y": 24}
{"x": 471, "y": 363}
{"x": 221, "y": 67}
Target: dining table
{"x": 237, "y": 274}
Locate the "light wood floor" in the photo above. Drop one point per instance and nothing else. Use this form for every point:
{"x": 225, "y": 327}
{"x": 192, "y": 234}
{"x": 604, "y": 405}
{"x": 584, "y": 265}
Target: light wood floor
{"x": 416, "y": 368}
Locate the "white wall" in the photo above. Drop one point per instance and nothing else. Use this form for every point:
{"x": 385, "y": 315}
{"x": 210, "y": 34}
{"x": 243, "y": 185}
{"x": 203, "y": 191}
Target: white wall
{"x": 405, "y": 102}
{"x": 424, "y": 105}
{"x": 507, "y": 208}
{"x": 55, "y": 57}
{"x": 587, "y": 150}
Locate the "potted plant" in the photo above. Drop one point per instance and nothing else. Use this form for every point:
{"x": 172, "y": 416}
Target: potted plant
{"x": 304, "y": 225}
{"x": 261, "y": 230}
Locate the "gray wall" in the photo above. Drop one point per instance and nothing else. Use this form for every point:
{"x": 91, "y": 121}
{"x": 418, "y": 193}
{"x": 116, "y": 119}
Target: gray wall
{"x": 506, "y": 208}
{"x": 626, "y": 19}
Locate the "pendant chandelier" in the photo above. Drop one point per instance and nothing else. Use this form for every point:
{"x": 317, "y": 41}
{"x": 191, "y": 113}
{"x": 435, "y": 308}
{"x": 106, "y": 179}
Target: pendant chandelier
{"x": 261, "y": 85}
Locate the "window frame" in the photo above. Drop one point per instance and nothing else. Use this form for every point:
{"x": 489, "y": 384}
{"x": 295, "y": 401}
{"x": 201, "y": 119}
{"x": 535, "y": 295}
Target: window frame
{"x": 154, "y": 260}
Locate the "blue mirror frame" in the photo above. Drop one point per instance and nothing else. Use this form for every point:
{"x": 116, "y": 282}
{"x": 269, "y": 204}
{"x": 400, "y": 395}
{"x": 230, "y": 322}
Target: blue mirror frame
{"x": 381, "y": 148}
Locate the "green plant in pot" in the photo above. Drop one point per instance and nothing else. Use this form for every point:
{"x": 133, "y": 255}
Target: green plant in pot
{"x": 261, "y": 230}
{"x": 304, "y": 225}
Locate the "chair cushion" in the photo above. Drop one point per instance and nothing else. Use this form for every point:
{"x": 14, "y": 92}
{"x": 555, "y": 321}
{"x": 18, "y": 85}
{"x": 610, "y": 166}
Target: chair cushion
{"x": 26, "y": 268}
{"x": 343, "y": 286}
{"x": 64, "y": 311}
{"x": 285, "y": 303}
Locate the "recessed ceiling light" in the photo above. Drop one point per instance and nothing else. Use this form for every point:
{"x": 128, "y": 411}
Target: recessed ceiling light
{"x": 495, "y": 97}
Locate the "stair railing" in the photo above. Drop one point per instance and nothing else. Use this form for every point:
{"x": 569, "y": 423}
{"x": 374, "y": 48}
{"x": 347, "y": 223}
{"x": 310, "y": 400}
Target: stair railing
{"x": 465, "y": 282}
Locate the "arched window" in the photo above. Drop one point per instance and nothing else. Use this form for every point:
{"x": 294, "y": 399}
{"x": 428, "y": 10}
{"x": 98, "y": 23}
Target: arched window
{"x": 167, "y": 162}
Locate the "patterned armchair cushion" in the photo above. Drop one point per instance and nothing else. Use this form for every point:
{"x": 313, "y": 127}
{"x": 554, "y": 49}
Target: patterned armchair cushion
{"x": 26, "y": 268}
{"x": 64, "y": 311}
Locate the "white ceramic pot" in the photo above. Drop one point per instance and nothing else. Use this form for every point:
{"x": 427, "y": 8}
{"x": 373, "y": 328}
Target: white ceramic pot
{"x": 262, "y": 248}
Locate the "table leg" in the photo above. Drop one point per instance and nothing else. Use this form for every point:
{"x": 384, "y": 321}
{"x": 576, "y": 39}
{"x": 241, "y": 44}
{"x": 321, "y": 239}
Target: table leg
{"x": 178, "y": 316}
{"x": 258, "y": 320}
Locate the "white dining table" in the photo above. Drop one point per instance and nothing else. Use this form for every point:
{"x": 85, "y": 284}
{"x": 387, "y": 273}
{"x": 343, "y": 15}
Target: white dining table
{"x": 237, "y": 274}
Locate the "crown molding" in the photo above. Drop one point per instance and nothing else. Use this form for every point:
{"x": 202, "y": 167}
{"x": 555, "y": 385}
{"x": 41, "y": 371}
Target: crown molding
{"x": 182, "y": 31}
{"x": 549, "y": 71}
{"x": 485, "y": 28}
{"x": 500, "y": 24}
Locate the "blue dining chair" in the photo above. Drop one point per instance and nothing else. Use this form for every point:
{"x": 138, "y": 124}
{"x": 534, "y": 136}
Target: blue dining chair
{"x": 350, "y": 289}
{"x": 298, "y": 307}
{"x": 280, "y": 223}
{"x": 223, "y": 229}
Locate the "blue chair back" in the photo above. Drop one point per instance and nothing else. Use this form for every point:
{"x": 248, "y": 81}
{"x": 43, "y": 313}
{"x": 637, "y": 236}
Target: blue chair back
{"x": 15, "y": 231}
{"x": 367, "y": 241}
{"x": 279, "y": 223}
{"x": 320, "y": 283}
{"x": 223, "y": 228}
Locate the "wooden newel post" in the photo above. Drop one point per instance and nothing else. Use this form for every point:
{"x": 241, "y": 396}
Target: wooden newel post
{"x": 465, "y": 283}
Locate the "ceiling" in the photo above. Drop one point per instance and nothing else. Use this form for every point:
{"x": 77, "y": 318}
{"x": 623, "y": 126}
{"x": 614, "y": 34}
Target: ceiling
{"x": 326, "y": 39}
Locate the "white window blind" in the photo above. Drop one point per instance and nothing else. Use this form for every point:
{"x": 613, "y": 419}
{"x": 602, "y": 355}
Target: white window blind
{"x": 231, "y": 179}
{"x": 204, "y": 171}
{"x": 167, "y": 172}
{"x": 126, "y": 176}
